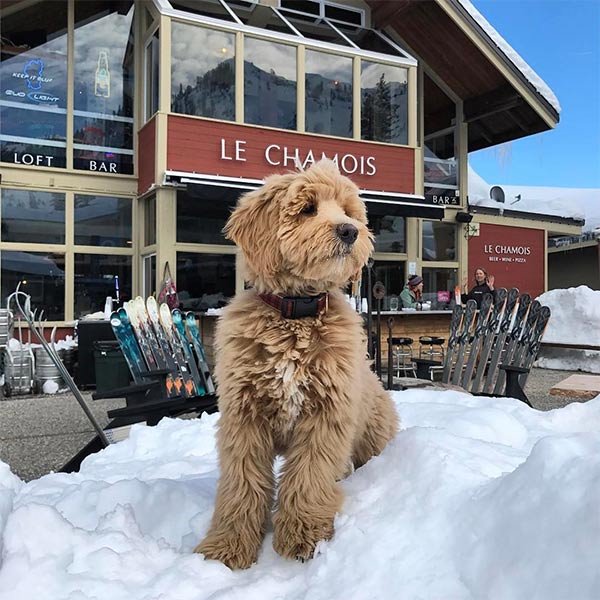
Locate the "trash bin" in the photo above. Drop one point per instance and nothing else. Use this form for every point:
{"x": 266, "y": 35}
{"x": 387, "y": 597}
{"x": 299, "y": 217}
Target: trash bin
{"x": 111, "y": 368}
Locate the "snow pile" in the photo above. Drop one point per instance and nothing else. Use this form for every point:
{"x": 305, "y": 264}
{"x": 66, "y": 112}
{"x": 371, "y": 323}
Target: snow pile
{"x": 575, "y": 320}
{"x": 475, "y": 498}
{"x": 575, "y": 316}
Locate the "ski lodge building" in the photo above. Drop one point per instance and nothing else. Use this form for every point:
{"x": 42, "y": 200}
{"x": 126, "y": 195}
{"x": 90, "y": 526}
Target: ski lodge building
{"x": 128, "y": 129}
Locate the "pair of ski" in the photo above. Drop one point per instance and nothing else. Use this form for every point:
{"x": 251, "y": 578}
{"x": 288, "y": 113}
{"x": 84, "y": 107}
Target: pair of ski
{"x": 153, "y": 338}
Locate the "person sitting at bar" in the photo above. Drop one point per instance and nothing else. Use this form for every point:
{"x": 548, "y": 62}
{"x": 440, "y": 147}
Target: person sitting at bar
{"x": 484, "y": 284}
{"x": 412, "y": 293}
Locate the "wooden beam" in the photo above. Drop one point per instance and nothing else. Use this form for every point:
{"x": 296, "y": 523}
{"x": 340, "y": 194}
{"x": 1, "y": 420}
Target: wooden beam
{"x": 491, "y": 103}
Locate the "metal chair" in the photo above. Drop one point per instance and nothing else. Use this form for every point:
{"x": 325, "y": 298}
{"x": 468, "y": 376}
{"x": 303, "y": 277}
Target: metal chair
{"x": 403, "y": 355}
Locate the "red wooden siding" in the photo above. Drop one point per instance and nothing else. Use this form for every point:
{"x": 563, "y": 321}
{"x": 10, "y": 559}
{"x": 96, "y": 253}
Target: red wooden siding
{"x": 199, "y": 146}
{"x": 514, "y": 255}
{"x": 146, "y": 155}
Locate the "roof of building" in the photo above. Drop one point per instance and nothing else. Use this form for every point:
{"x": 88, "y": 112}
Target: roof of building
{"x": 503, "y": 98}
{"x": 543, "y": 202}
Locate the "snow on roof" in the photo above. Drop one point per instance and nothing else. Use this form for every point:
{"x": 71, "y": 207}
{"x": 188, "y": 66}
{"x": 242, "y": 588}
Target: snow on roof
{"x": 538, "y": 83}
{"x": 572, "y": 203}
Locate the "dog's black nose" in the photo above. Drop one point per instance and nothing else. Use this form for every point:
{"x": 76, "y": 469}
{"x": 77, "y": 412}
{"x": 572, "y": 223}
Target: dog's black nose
{"x": 347, "y": 233}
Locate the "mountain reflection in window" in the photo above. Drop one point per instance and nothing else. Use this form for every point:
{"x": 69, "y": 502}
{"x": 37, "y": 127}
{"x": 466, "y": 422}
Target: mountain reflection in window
{"x": 384, "y": 103}
{"x": 205, "y": 85}
{"x": 269, "y": 84}
{"x": 328, "y": 94}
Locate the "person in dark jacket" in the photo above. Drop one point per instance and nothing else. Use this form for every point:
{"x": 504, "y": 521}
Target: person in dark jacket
{"x": 484, "y": 284}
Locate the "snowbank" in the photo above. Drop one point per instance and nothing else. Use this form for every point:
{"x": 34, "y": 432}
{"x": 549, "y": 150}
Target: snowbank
{"x": 575, "y": 316}
{"x": 475, "y": 498}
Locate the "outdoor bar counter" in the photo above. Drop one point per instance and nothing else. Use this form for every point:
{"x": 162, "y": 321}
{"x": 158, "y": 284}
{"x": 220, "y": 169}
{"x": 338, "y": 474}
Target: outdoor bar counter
{"x": 412, "y": 324}
{"x": 407, "y": 323}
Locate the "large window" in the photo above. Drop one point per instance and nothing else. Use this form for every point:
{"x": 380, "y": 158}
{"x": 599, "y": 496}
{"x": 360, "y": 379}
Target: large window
{"x": 384, "y": 103}
{"x": 41, "y": 275}
{"x": 202, "y": 72}
{"x": 33, "y": 217}
{"x": 202, "y": 211}
{"x": 389, "y": 231}
{"x": 103, "y": 93}
{"x": 269, "y": 84}
{"x": 33, "y": 86}
{"x": 151, "y": 75}
{"x": 438, "y": 287}
{"x": 47, "y": 241}
{"x": 102, "y": 221}
{"x": 392, "y": 275}
{"x": 205, "y": 280}
{"x": 328, "y": 94}
{"x": 439, "y": 241}
{"x": 98, "y": 276}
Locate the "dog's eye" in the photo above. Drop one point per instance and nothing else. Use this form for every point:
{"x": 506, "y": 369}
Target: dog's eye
{"x": 309, "y": 209}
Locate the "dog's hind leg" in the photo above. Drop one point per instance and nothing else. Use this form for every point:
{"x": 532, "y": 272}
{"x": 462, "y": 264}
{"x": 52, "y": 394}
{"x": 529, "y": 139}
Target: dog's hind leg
{"x": 309, "y": 495}
{"x": 379, "y": 421}
{"x": 245, "y": 492}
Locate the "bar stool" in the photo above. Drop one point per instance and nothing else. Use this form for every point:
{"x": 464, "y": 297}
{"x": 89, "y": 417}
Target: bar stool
{"x": 431, "y": 347}
{"x": 403, "y": 355}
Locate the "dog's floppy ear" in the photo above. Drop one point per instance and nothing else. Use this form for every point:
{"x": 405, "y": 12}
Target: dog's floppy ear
{"x": 254, "y": 223}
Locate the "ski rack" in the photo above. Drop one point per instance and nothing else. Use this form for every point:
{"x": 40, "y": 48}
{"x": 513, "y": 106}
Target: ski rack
{"x": 515, "y": 333}
{"x": 38, "y": 330}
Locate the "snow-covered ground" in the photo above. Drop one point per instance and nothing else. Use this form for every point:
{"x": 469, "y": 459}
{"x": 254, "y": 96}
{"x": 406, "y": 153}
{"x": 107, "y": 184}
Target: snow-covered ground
{"x": 475, "y": 498}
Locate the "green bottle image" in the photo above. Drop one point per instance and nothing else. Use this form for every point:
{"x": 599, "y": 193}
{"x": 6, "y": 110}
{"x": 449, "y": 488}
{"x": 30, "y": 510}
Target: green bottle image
{"x": 102, "y": 83}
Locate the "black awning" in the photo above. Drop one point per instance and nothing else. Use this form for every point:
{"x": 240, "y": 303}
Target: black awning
{"x": 229, "y": 189}
{"x": 405, "y": 210}
{"x": 401, "y": 206}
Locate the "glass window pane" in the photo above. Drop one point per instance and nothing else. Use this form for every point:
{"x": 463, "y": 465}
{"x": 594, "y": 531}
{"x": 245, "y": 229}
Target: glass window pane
{"x": 33, "y": 84}
{"x": 205, "y": 280}
{"x": 150, "y": 221}
{"x": 328, "y": 94}
{"x": 390, "y": 233}
{"x": 42, "y": 276}
{"x": 436, "y": 281}
{"x": 149, "y": 275}
{"x": 103, "y": 221}
{"x": 439, "y": 241}
{"x": 269, "y": 84}
{"x": 384, "y": 103}
{"x": 151, "y": 58}
{"x": 315, "y": 28}
{"x": 202, "y": 211}
{"x": 104, "y": 83}
{"x": 33, "y": 217}
{"x": 98, "y": 276}
{"x": 392, "y": 275}
{"x": 368, "y": 39}
{"x": 258, "y": 15}
{"x": 207, "y": 8}
{"x": 344, "y": 14}
{"x": 202, "y": 72}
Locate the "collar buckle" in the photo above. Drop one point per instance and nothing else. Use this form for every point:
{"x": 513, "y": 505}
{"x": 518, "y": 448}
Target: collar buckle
{"x": 293, "y": 307}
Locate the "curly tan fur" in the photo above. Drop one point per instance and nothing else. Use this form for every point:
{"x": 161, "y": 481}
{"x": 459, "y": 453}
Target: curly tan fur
{"x": 299, "y": 388}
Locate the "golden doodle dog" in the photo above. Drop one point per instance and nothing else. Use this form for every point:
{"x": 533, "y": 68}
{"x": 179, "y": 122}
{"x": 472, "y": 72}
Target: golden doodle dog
{"x": 293, "y": 379}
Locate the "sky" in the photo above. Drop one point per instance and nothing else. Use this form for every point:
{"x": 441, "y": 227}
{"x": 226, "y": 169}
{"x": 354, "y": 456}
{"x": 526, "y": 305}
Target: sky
{"x": 560, "y": 41}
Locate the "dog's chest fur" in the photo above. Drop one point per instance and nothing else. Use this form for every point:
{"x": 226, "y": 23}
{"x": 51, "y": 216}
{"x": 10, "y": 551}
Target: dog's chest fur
{"x": 289, "y": 369}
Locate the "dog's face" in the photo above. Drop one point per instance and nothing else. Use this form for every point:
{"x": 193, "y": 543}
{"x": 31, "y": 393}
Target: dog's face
{"x": 302, "y": 232}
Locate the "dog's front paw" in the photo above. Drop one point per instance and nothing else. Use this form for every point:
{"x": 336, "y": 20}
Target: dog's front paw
{"x": 297, "y": 539}
{"x": 228, "y": 549}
